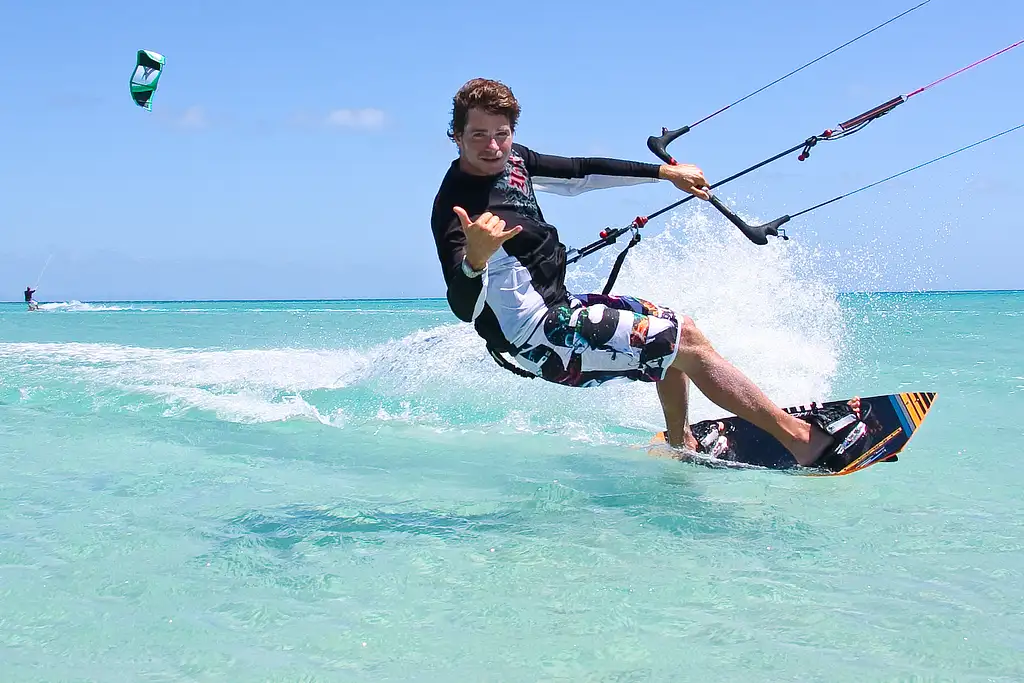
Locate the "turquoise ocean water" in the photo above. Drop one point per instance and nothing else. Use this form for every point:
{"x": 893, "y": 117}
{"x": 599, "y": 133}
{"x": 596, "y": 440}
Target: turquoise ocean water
{"x": 354, "y": 491}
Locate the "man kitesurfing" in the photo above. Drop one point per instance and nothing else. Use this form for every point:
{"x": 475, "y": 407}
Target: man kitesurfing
{"x": 32, "y": 305}
{"x": 504, "y": 268}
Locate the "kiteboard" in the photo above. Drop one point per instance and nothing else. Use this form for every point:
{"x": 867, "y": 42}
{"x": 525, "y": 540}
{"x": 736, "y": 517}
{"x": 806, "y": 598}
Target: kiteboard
{"x": 880, "y": 427}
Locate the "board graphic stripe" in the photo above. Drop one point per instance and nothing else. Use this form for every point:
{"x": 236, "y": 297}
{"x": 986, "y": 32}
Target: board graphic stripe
{"x": 901, "y": 413}
{"x": 915, "y": 407}
{"x": 866, "y": 459}
{"x": 919, "y": 399}
{"x": 911, "y": 409}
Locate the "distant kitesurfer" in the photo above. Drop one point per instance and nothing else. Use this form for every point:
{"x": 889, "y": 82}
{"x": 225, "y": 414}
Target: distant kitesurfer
{"x": 29, "y": 300}
{"x": 504, "y": 267}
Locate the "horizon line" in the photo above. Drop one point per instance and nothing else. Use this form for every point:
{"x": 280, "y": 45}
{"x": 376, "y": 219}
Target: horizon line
{"x": 441, "y": 298}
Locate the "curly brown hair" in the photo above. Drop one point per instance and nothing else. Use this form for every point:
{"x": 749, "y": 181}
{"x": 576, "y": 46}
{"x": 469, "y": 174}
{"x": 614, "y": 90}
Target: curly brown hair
{"x": 494, "y": 97}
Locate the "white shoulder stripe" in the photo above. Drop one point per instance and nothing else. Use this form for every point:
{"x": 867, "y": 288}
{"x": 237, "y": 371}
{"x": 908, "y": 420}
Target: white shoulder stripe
{"x": 570, "y": 187}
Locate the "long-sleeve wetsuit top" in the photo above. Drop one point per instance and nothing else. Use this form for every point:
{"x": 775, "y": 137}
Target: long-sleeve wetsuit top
{"x": 526, "y": 276}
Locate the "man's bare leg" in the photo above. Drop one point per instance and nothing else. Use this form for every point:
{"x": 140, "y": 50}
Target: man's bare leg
{"x": 727, "y": 387}
{"x": 674, "y": 393}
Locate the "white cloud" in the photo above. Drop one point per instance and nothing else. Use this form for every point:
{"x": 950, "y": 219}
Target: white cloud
{"x": 193, "y": 117}
{"x": 190, "y": 118}
{"x": 366, "y": 119}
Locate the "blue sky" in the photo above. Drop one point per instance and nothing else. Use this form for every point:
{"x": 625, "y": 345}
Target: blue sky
{"x": 294, "y": 153}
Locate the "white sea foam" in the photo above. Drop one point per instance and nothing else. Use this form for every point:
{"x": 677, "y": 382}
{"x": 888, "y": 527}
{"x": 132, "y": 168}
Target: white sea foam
{"x": 763, "y": 308}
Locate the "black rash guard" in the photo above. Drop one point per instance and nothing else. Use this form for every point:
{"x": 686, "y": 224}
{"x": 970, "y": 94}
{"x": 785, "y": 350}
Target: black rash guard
{"x": 526, "y": 276}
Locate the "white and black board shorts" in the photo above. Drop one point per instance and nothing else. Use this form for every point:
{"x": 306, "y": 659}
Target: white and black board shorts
{"x": 599, "y": 338}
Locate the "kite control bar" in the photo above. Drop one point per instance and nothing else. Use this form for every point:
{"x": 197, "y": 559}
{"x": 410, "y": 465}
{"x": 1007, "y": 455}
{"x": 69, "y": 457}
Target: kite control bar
{"x": 659, "y": 144}
{"x": 758, "y": 234}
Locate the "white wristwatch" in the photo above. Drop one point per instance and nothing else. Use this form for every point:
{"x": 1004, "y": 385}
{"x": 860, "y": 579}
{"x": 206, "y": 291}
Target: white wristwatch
{"x": 468, "y": 269}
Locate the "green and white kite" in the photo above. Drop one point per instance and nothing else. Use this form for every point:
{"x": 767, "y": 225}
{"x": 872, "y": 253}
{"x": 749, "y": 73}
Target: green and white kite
{"x": 148, "y": 67}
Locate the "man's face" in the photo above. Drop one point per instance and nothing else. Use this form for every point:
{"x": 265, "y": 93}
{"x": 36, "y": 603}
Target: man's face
{"x": 485, "y": 143}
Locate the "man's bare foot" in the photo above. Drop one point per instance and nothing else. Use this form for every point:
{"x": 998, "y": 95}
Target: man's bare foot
{"x": 689, "y": 442}
{"x": 811, "y": 441}
{"x": 809, "y": 446}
